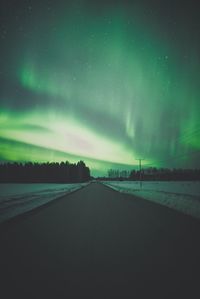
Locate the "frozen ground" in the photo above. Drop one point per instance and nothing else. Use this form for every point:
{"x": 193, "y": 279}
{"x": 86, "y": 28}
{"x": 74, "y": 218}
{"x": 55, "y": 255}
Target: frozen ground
{"x": 182, "y": 196}
{"x": 16, "y": 199}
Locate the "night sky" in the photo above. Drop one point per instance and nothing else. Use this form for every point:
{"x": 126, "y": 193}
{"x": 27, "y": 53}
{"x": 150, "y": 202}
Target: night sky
{"x": 103, "y": 81}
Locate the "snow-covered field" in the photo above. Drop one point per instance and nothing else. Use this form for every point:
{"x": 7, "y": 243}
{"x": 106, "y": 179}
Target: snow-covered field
{"x": 182, "y": 196}
{"x": 16, "y": 199}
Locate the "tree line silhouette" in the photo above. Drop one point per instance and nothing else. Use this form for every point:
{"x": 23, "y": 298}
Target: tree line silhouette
{"x": 55, "y": 172}
{"x": 153, "y": 173}
{"x": 165, "y": 174}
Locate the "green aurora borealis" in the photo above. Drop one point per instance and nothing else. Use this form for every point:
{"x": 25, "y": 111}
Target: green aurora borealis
{"x": 105, "y": 85}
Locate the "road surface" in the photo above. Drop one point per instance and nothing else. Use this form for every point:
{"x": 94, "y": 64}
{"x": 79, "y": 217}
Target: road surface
{"x": 98, "y": 243}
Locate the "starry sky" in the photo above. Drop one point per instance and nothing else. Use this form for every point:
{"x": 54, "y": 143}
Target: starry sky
{"x": 107, "y": 82}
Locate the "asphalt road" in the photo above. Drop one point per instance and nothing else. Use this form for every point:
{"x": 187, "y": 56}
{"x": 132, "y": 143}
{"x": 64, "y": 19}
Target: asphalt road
{"x": 98, "y": 243}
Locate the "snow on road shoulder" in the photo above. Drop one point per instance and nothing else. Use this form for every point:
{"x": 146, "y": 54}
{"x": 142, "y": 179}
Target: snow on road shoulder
{"x": 181, "y": 196}
{"x": 16, "y": 199}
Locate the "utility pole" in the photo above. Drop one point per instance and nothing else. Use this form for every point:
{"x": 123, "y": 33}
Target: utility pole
{"x": 140, "y": 167}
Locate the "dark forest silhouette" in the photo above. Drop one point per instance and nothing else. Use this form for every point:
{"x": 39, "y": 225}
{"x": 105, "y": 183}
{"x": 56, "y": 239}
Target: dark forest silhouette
{"x": 63, "y": 172}
{"x": 165, "y": 174}
{"x": 155, "y": 174}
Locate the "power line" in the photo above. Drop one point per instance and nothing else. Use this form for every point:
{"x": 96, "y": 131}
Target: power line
{"x": 176, "y": 157}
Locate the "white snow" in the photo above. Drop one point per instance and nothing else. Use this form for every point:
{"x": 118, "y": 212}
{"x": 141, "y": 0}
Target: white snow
{"x": 182, "y": 196}
{"x": 16, "y": 199}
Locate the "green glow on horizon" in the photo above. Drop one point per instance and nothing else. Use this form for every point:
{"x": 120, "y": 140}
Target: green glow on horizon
{"x": 62, "y": 134}
{"x": 27, "y": 152}
{"x": 115, "y": 93}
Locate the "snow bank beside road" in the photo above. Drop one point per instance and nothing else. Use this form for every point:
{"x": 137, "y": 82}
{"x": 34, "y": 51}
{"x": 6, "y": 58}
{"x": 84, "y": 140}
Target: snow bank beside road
{"x": 181, "y": 196}
{"x": 17, "y": 199}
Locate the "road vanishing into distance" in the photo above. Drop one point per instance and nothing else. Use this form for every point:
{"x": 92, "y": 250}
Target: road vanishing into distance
{"x": 99, "y": 243}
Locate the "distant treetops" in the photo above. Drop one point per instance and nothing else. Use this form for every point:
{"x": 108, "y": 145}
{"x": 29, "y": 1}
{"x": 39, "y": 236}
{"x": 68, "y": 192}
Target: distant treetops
{"x": 153, "y": 173}
{"x": 54, "y": 172}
